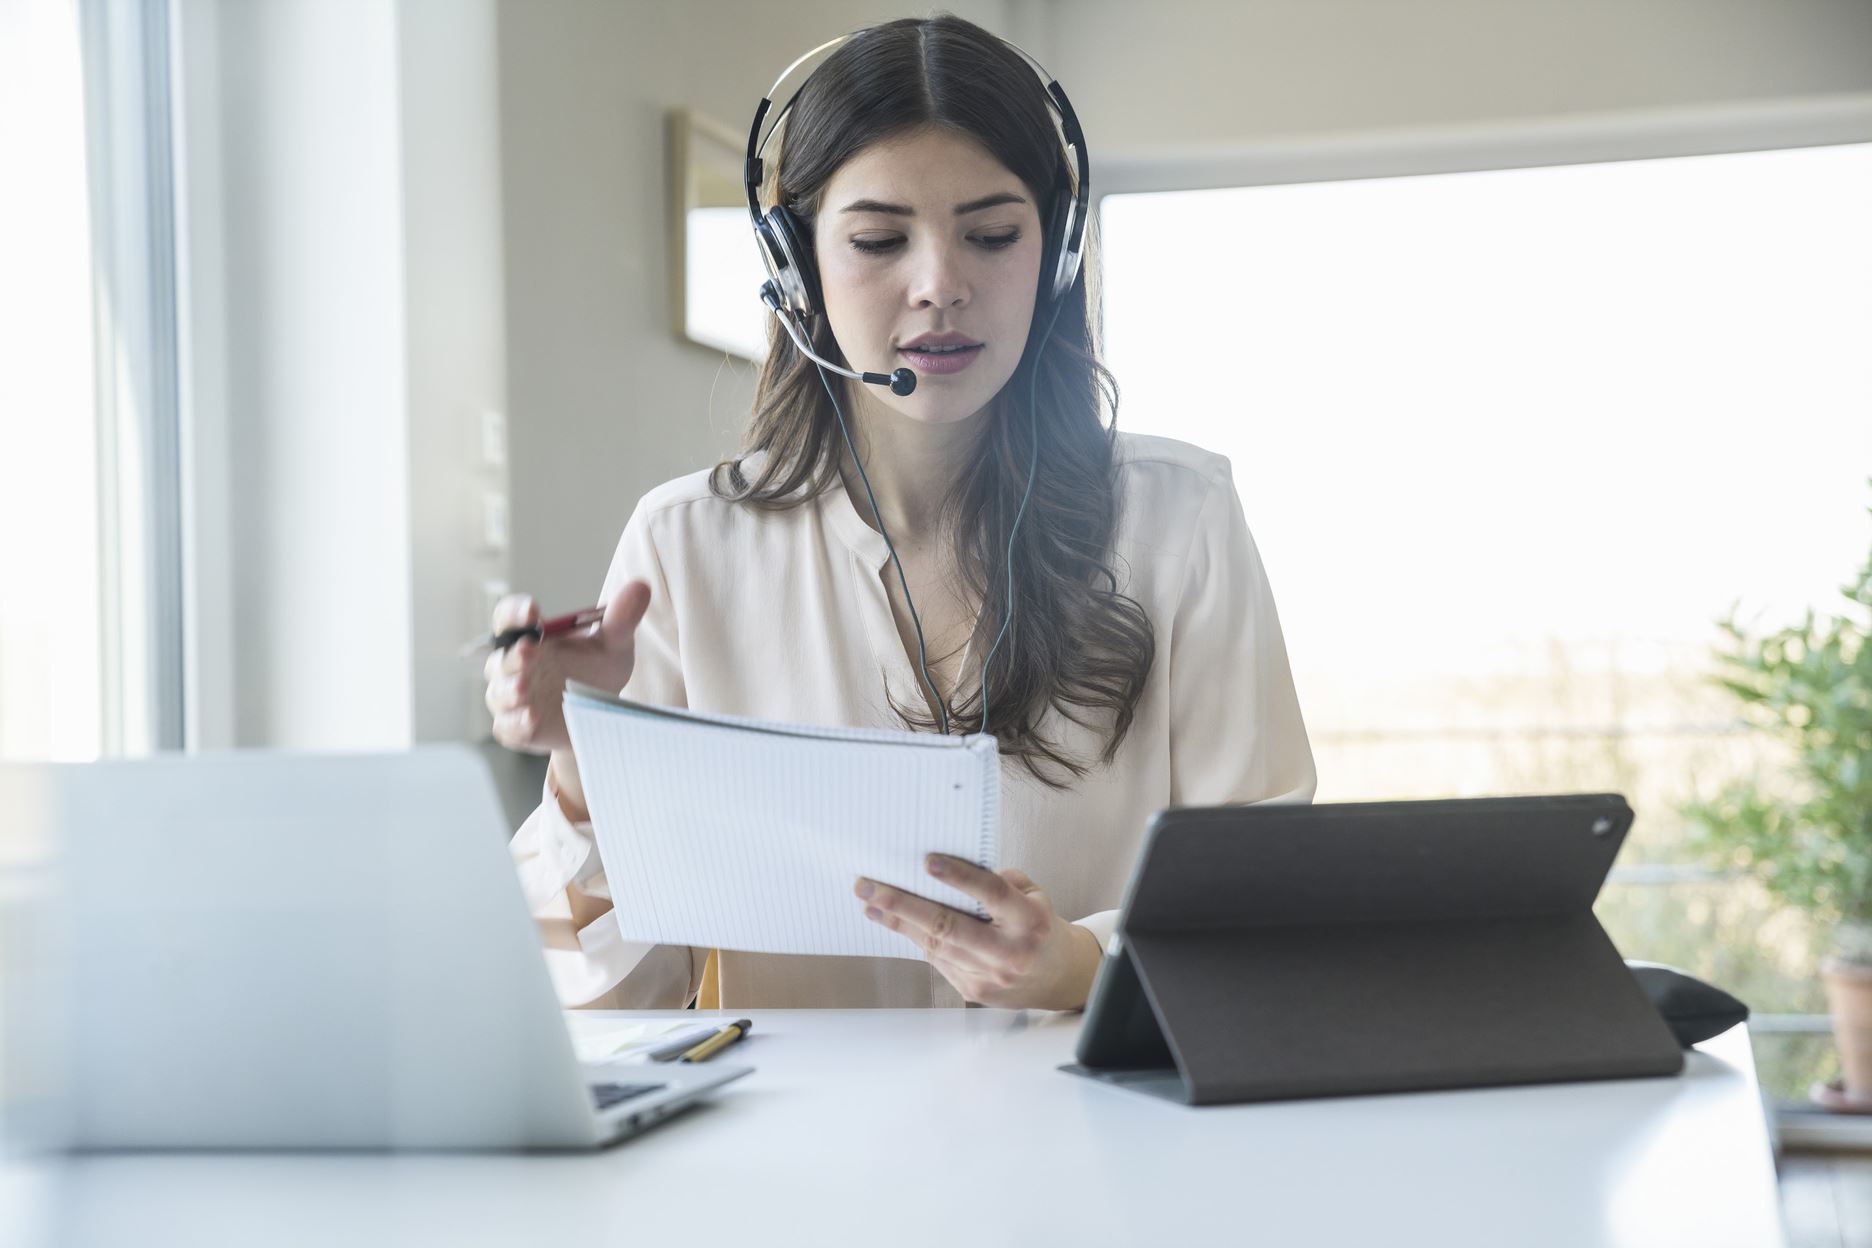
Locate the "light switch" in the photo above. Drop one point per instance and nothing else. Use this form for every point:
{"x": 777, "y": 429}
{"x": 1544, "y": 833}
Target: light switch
{"x": 493, "y": 439}
{"x": 494, "y": 520}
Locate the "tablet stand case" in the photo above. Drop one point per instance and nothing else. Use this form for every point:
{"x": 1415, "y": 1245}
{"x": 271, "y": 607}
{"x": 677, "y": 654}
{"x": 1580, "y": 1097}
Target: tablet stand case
{"x": 1274, "y": 952}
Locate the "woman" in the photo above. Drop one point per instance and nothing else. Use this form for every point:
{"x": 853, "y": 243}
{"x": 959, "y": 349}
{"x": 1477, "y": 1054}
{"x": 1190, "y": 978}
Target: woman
{"x": 863, "y": 581}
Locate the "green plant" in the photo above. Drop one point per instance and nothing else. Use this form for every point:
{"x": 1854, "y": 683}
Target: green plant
{"x": 1806, "y": 832}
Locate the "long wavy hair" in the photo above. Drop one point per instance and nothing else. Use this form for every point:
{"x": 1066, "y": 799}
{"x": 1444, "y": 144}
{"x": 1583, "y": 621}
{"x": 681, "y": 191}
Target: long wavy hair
{"x": 1075, "y": 643}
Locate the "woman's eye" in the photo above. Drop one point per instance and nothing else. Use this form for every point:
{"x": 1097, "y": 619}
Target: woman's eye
{"x": 991, "y": 242}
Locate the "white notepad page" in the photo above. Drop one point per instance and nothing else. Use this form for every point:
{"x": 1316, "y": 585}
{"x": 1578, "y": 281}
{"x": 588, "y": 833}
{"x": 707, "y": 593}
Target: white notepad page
{"x": 734, "y": 833}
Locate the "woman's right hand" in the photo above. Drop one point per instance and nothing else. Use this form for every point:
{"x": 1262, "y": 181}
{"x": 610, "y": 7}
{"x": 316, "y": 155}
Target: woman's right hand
{"x": 526, "y": 682}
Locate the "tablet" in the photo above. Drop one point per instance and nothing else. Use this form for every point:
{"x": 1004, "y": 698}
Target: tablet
{"x": 1277, "y": 951}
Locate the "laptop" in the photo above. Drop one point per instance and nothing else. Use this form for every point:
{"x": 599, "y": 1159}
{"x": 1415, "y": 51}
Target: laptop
{"x": 268, "y": 949}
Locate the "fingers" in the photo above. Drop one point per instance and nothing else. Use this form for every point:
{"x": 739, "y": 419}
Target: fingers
{"x": 515, "y": 611}
{"x": 507, "y": 676}
{"x": 1005, "y": 901}
{"x": 946, "y": 958}
{"x": 937, "y": 946}
{"x": 625, "y": 611}
{"x": 514, "y": 729}
{"x": 506, "y": 692}
{"x": 509, "y": 661}
{"x": 512, "y": 611}
{"x": 526, "y": 680}
{"x": 935, "y": 928}
{"x": 1021, "y": 881}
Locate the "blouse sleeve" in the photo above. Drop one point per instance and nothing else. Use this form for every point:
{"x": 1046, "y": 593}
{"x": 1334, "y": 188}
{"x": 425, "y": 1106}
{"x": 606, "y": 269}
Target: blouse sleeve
{"x": 1236, "y": 735}
{"x": 1235, "y": 729}
{"x": 553, "y": 854}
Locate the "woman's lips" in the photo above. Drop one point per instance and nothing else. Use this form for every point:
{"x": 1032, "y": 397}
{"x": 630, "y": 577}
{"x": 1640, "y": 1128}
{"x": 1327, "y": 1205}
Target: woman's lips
{"x": 941, "y": 363}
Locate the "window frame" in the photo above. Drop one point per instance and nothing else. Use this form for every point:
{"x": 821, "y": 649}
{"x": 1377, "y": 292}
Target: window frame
{"x": 126, "y": 50}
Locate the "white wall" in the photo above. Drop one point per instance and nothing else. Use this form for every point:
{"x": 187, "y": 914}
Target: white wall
{"x": 343, "y": 315}
{"x": 606, "y": 402}
{"x": 401, "y": 215}
{"x": 1219, "y": 73}
{"x": 314, "y": 367}
{"x": 455, "y": 327}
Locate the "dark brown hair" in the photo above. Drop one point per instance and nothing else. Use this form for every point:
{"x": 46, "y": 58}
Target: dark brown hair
{"x": 1075, "y": 643}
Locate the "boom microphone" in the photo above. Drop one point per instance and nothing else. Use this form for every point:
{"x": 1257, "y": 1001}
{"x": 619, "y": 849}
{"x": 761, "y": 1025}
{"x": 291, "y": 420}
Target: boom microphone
{"x": 901, "y": 382}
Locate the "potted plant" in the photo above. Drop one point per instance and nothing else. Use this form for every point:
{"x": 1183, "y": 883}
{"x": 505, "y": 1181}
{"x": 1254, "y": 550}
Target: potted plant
{"x": 1807, "y": 833}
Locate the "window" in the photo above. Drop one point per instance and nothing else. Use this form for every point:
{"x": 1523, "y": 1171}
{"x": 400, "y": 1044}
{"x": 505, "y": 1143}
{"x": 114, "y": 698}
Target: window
{"x": 49, "y": 551}
{"x": 91, "y": 628}
{"x": 1510, "y": 443}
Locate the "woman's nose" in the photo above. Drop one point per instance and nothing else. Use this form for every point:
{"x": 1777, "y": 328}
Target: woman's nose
{"x": 938, "y": 281}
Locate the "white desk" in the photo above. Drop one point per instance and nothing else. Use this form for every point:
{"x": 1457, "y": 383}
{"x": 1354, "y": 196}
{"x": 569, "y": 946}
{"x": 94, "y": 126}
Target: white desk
{"x": 907, "y": 1127}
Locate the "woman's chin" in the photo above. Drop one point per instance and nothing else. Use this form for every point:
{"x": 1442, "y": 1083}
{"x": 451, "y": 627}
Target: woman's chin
{"x": 939, "y": 401}
{"x": 933, "y": 411}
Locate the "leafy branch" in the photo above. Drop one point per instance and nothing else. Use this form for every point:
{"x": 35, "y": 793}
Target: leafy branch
{"x": 1806, "y": 834}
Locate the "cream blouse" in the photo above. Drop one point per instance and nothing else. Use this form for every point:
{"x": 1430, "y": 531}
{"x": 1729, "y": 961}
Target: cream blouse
{"x": 783, "y": 615}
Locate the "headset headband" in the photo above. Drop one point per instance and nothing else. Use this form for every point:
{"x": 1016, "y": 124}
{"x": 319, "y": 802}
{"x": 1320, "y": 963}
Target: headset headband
{"x": 1073, "y": 233}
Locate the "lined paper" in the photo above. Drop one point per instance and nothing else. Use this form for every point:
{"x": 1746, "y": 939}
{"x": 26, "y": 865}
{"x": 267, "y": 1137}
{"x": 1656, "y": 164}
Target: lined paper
{"x": 736, "y": 833}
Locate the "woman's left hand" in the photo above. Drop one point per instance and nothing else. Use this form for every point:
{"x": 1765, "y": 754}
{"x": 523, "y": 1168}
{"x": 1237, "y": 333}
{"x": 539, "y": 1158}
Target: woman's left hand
{"x": 1023, "y": 957}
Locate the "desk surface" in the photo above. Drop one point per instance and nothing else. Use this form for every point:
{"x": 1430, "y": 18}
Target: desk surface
{"x": 905, "y": 1127}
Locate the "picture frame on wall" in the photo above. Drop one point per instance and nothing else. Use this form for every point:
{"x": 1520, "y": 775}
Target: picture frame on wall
{"x": 715, "y": 268}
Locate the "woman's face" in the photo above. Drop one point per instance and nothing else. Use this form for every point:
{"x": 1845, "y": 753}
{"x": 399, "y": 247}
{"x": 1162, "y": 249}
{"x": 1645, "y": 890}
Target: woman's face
{"x": 927, "y": 234}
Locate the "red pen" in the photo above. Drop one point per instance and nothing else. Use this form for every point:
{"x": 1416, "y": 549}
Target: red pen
{"x": 555, "y": 627}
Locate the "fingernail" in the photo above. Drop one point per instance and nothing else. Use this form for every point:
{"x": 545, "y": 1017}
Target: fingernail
{"x": 866, "y": 888}
{"x": 872, "y": 912}
{"x": 935, "y": 866}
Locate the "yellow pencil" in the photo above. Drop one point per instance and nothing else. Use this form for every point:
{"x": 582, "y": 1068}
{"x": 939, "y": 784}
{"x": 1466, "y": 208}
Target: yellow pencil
{"x": 717, "y": 1042}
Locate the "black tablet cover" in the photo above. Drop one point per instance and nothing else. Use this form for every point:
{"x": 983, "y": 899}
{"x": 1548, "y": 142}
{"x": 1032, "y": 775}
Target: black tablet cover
{"x": 1273, "y": 952}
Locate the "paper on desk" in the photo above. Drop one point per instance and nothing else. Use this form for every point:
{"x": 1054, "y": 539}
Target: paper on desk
{"x": 597, "y": 1040}
{"x": 724, "y": 832}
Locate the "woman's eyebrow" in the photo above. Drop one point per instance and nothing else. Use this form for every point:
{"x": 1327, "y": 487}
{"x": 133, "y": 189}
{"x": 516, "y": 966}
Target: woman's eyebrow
{"x": 961, "y": 210}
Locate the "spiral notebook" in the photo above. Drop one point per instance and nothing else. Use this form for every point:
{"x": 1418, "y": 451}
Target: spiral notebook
{"x": 736, "y": 833}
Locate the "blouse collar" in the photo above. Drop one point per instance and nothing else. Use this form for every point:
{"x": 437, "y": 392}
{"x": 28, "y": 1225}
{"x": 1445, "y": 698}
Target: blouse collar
{"x": 837, "y": 512}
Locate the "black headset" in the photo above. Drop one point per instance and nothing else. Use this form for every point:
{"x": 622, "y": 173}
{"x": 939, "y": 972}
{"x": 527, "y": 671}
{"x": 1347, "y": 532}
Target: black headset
{"x": 792, "y": 292}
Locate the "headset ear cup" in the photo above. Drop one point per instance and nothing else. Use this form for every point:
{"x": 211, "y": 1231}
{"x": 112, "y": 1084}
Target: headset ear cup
{"x": 769, "y": 251}
{"x": 1050, "y": 285}
{"x": 801, "y": 282}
